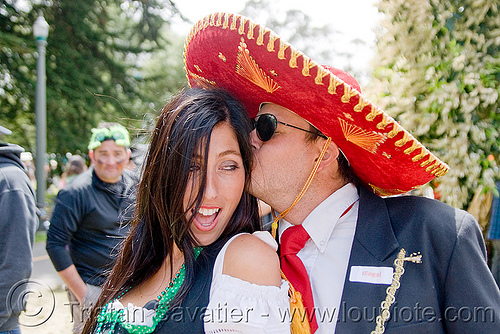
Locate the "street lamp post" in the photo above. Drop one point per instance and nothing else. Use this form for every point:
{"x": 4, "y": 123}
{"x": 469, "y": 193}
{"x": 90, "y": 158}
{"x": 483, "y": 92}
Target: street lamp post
{"x": 41, "y": 32}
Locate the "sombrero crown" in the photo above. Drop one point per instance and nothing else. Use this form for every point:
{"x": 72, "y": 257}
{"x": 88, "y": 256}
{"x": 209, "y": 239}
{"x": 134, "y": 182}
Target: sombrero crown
{"x": 255, "y": 65}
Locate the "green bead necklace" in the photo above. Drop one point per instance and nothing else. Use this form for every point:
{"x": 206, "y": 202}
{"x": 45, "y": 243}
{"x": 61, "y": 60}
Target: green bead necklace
{"x": 109, "y": 317}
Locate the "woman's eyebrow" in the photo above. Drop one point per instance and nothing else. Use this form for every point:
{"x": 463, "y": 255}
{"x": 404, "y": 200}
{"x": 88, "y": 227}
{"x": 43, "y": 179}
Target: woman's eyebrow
{"x": 228, "y": 152}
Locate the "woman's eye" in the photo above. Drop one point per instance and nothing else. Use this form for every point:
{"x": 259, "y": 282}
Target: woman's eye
{"x": 194, "y": 168}
{"x": 230, "y": 166}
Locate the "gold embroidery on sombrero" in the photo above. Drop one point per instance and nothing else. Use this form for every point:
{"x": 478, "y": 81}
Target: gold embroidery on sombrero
{"x": 222, "y": 57}
{"x": 369, "y": 141}
{"x": 219, "y": 20}
{"x": 387, "y": 155}
{"x": 348, "y": 116}
{"x": 307, "y": 65}
{"x": 241, "y": 29}
{"x": 423, "y": 153}
{"x": 444, "y": 170}
{"x": 260, "y": 39}
{"x": 406, "y": 138}
{"x": 206, "y": 22}
{"x": 435, "y": 166}
{"x": 270, "y": 44}
{"x": 249, "y": 69}
{"x": 281, "y": 52}
{"x": 348, "y": 93}
{"x": 373, "y": 113}
{"x": 385, "y": 192}
{"x": 212, "y": 20}
{"x": 438, "y": 170}
{"x": 428, "y": 161}
{"x": 361, "y": 104}
{"x": 413, "y": 147}
{"x": 225, "y": 25}
{"x": 233, "y": 22}
{"x": 294, "y": 55}
{"x": 431, "y": 167}
{"x": 386, "y": 120}
{"x": 332, "y": 86}
{"x": 251, "y": 26}
{"x": 320, "y": 75}
{"x": 201, "y": 81}
{"x": 396, "y": 128}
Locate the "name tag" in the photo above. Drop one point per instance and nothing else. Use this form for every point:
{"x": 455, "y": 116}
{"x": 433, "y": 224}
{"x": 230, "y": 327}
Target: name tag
{"x": 372, "y": 275}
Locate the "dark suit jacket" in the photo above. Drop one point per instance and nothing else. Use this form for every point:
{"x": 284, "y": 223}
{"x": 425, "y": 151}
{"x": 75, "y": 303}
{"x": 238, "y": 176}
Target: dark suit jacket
{"x": 450, "y": 291}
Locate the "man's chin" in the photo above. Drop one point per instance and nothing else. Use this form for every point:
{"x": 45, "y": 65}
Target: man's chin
{"x": 108, "y": 178}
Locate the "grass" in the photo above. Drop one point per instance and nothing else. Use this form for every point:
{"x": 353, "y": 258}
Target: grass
{"x": 40, "y": 236}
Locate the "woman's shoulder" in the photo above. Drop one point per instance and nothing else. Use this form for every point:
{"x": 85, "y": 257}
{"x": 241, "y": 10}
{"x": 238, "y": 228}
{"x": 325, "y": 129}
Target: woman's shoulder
{"x": 250, "y": 258}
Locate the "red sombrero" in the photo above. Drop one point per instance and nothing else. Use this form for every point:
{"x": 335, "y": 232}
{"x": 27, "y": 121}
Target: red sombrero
{"x": 251, "y": 62}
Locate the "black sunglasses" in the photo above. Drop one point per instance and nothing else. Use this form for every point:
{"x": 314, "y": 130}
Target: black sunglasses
{"x": 265, "y": 125}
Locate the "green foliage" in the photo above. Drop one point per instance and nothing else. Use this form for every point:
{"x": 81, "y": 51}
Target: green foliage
{"x": 438, "y": 72}
{"x": 95, "y": 56}
{"x": 17, "y": 71}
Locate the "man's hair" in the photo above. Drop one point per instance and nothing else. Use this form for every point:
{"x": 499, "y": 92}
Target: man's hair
{"x": 345, "y": 170}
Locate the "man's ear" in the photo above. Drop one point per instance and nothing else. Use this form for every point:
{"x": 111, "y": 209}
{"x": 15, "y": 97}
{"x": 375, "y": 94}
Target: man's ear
{"x": 128, "y": 153}
{"x": 91, "y": 156}
{"x": 331, "y": 154}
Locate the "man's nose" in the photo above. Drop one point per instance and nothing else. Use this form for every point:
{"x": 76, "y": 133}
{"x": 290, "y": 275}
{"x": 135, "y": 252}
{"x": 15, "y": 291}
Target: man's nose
{"x": 113, "y": 160}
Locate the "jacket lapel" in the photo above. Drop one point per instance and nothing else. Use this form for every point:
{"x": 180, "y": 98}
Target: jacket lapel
{"x": 374, "y": 245}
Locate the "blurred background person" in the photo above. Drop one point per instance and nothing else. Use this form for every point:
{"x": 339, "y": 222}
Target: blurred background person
{"x": 18, "y": 223}
{"x": 75, "y": 166}
{"x": 494, "y": 235}
{"x": 90, "y": 219}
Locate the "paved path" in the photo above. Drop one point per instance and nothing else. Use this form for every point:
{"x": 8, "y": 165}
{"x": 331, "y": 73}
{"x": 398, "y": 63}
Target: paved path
{"x": 43, "y": 269}
{"x": 47, "y": 310}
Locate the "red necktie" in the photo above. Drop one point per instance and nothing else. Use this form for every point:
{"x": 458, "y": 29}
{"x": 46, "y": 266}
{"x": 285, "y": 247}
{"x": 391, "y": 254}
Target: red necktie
{"x": 293, "y": 240}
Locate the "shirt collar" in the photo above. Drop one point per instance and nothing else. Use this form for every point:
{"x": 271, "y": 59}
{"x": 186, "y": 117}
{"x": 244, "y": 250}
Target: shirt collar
{"x": 321, "y": 222}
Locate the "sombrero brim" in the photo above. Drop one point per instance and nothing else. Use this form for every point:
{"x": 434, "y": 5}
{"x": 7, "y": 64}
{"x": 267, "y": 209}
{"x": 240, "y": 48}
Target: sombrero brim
{"x": 251, "y": 62}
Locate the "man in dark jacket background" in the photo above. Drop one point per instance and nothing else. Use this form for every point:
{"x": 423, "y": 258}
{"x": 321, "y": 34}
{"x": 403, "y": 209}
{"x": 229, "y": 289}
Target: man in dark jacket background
{"x": 18, "y": 223}
{"x": 89, "y": 221}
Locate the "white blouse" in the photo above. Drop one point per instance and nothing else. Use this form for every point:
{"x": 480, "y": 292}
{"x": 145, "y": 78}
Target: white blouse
{"x": 237, "y": 306}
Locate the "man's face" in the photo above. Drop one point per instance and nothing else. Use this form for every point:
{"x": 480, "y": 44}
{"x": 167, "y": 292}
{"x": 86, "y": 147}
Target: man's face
{"x": 109, "y": 160}
{"x": 283, "y": 163}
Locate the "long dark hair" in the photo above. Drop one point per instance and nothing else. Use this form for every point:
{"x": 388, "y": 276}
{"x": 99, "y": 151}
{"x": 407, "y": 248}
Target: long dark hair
{"x": 183, "y": 129}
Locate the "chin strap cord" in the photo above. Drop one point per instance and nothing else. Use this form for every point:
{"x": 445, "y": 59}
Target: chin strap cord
{"x": 274, "y": 226}
{"x": 298, "y": 325}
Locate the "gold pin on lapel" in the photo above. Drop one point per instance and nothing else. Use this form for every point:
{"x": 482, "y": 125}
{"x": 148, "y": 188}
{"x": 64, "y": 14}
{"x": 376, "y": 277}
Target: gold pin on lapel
{"x": 391, "y": 290}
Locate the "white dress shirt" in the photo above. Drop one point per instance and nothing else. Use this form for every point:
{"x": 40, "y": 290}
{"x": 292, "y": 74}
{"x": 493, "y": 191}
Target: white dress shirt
{"x": 239, "y": 307}
{"x": 326, "y": 254}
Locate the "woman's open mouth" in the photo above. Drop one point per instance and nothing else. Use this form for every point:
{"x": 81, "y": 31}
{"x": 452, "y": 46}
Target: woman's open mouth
{"x": 206, "y": 218}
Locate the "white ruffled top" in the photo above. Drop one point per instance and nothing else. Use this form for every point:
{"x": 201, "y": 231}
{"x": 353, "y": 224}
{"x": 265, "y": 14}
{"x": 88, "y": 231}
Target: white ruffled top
{"x": 237, "y": 306}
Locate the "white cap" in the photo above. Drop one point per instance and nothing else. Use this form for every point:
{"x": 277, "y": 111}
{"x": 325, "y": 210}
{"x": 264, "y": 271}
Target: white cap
{"x": 4, "y": 131}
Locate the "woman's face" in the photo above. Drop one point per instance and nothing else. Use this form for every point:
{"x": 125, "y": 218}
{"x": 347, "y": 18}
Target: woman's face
{"x": 224, "y": 186}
